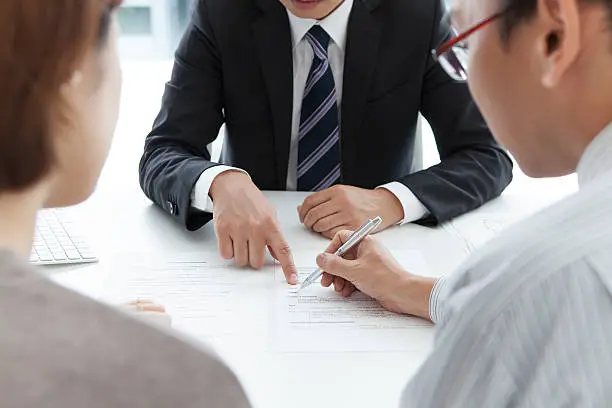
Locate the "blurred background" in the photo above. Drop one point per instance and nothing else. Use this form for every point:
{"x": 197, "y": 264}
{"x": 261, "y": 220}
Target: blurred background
{"x": 151, "y": 29}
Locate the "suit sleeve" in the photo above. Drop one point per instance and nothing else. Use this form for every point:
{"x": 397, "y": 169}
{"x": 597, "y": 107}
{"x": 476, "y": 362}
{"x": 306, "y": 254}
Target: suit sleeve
{"x": 474, "y": 168}
{"x": 176, "y": 151}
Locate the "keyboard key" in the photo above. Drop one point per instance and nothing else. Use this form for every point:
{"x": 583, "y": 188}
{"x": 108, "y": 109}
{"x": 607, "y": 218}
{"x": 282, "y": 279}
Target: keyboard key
{"x": 87, "y": 255}
{"x": 60, "y": 257}
{"x": 73, "y": 255}
{"x": 46, "y": 257}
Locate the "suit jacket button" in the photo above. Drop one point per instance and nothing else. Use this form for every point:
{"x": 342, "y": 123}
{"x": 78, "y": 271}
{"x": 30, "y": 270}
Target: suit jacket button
{"x": 171, "y": 208}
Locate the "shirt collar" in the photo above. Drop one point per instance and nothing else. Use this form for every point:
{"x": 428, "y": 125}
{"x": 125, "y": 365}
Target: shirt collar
{"x": 597, "y": 158}
{"x": 335, "y": 25}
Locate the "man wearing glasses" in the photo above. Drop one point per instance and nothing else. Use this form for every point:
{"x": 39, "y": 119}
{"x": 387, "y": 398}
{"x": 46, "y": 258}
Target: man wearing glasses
{"x": 526, "y": 322}
{"x": 320, "y": 96}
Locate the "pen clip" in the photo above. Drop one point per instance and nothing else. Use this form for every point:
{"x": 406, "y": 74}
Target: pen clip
{"x": 362, "y": 226}
{"x": 359, "y": 234}
{"x": 377, "y": 221}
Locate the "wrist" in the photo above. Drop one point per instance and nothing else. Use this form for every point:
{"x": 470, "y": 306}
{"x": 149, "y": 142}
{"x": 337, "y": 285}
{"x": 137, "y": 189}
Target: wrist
{"x": 227, "y": 181}
{"x": 390, "y": 206}
{"x": 413, "y": 295}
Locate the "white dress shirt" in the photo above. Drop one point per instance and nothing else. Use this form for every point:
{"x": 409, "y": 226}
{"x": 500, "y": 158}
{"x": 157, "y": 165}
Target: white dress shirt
{"x": 527, "y": 321}
{"x": 336, "y": 26}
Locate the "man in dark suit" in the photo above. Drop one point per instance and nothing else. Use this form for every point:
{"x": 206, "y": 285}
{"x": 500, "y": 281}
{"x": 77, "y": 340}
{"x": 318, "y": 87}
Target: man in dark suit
{"x": 320, "y": 96}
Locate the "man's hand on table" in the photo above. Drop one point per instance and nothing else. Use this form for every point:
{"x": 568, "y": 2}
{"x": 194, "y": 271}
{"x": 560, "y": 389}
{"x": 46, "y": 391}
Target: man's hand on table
{"x": 370, "y": 268}
{"x": 344, "y": 207}
{"x": 246, "y": 224}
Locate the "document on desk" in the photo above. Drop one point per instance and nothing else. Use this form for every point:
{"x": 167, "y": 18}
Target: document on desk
{"x": 475, "y": 230}
{"x": 320, "y": 320}
{"x": 206, "y": 297}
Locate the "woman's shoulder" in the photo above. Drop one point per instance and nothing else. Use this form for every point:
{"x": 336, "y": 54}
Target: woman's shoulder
{"x": 52, "y": 336}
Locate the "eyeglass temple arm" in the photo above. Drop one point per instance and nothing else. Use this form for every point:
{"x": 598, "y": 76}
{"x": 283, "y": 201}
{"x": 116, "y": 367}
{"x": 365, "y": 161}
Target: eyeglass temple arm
{"x": 454, "y": 41}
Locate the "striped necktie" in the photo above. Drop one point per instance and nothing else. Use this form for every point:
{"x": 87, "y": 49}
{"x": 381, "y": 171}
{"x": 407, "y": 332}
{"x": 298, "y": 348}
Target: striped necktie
{"x": 319, "y": 132}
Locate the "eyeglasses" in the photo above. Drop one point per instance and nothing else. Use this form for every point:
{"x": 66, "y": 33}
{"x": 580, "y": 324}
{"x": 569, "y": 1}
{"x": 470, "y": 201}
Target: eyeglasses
{"x": 453, "y": 54}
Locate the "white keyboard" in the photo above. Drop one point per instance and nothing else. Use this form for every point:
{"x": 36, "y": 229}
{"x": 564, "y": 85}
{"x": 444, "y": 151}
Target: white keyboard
{"x": 56, "y": 241}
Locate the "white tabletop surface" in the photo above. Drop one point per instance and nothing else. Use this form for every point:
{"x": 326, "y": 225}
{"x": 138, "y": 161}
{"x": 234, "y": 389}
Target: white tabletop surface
{"x": 120, "y": 222}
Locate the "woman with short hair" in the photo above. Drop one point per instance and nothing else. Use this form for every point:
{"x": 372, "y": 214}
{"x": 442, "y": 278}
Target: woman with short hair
{"x": 59, "y": 95}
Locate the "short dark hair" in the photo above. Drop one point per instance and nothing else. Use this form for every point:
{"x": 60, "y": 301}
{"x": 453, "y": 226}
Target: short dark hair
{"x": 41, "y": 45}
{"x": 521, "y": 11}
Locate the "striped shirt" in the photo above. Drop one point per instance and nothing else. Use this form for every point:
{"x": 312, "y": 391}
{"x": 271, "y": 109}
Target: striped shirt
{"x": 527, "y": 321}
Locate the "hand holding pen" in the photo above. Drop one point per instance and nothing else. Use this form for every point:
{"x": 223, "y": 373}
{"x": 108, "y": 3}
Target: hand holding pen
{"x": 371, "y": 269}
{"x": 356, "y": 237}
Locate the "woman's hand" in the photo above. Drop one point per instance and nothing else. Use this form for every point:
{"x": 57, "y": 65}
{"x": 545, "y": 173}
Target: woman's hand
{"x": 149, "y": 311}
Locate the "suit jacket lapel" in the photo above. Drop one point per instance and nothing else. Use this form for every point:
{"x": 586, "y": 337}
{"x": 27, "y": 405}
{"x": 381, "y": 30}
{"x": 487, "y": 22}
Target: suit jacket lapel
{"x": 363, "y": 40}
{"x": 272, "y": 35}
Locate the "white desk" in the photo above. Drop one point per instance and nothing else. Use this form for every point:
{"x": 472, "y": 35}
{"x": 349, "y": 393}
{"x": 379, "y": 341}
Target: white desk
{"x": 271, "y": 379}
{"x": 119, "y": 220}
{"x": 124, "y": 222}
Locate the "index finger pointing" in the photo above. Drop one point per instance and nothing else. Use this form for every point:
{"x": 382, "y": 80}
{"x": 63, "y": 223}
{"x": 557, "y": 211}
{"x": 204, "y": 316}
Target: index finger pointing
{"x": 282, "y": 250}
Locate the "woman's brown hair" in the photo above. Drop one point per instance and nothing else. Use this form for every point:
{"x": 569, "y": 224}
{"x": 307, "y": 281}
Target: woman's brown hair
{"x": 42, "y": 43}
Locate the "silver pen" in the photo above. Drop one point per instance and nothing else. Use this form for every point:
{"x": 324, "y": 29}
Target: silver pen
{"x": 356, "y": 237}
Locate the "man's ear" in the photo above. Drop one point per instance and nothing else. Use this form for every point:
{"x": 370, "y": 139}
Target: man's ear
{"x": 558, "y": 42}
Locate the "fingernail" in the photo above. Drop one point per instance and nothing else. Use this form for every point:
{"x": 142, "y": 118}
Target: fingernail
{"x": 294, "y": 278}
{"x": 322, "y": 260}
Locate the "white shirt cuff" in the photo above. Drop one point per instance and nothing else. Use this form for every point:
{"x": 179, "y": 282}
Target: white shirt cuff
{"x": 435, "y": 309}
{"x": 414, "y": 210}
{"x": 199, "y": 196}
